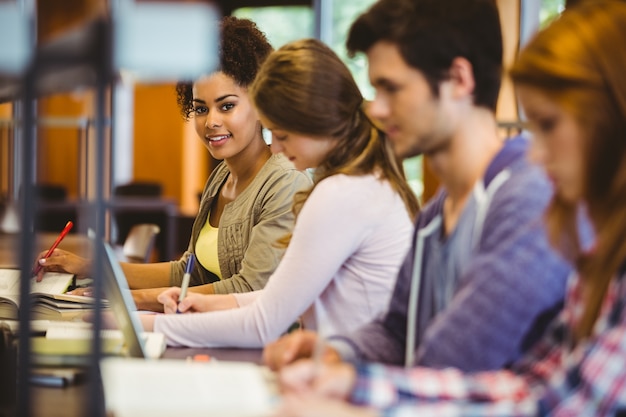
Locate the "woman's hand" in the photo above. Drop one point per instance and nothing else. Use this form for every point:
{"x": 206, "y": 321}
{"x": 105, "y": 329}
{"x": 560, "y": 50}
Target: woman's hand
{"x": 83, "y": 291}
{"x": 63, "y": 261}
{"x": 194, "y": 302}
{"x": 169, "y": 298}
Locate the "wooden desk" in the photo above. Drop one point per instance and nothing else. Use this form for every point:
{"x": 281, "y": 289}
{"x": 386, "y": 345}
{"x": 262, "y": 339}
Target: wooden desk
{"x": 72, "y": 401}
{"x": 231, "y": 354}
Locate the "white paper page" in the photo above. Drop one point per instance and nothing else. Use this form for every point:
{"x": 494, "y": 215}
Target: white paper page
{"x": 52, "y": 283}
{"x": 163, "y": 388}
{"x": 80, "y": 332}
{"x": 154, "y": 343}
{"x": 9, "y": 281}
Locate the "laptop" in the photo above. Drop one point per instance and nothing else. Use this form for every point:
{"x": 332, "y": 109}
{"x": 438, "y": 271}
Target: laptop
{"x": 138, "y": 388}
{"x": 139, "y": 344}
{"x": 129, "y": 339}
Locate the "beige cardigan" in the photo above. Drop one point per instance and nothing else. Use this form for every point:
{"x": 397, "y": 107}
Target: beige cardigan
{"x": 248, "y": 229}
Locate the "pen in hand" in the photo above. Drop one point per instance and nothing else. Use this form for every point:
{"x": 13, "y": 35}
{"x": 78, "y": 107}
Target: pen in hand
{"x": 185, "y": 284}
{"x": 64, "y": 232}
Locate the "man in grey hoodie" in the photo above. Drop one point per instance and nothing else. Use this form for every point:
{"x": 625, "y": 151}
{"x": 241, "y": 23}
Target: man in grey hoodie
{"x": 481, "y": 281}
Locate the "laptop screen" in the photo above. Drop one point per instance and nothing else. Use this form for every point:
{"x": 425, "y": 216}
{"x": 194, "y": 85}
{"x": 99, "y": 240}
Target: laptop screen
{"x": 122, "y": 305}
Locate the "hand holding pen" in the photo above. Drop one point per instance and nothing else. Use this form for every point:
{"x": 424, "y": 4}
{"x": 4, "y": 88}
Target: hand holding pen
{"x": 58, "y": 240}
{"x": 333, "y": 379}
{"x": 185, "y": 284}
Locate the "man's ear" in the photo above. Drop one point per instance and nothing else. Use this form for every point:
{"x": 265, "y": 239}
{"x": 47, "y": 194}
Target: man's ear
{"x": 462, "y": 77}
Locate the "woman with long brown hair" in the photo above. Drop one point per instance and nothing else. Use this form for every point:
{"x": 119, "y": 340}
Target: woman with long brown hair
{"x": 353, "y": 227}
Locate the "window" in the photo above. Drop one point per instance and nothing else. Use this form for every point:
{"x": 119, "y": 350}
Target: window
{"x": 284, "y": 24}
{"x": 550, "y": 9}
{"x": 281, "y": 24}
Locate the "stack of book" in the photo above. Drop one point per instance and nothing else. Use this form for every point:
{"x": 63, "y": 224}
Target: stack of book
{"x": 49, "y": 298}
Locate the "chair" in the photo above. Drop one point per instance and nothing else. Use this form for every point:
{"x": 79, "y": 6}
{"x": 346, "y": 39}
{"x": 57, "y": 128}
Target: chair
{"x": 124, "y": 218}
{"x": 139, "y": 189}
{"x": 50, "y": 192}
{"x": 139, "y": 243}
{"x": 52, "y": 209}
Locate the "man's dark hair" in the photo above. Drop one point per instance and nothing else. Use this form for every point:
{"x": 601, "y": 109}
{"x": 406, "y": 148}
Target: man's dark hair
{"x": 431, "y": 33}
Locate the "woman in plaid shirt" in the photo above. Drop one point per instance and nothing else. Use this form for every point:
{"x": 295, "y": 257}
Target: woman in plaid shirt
{"x": 571, "y": 82}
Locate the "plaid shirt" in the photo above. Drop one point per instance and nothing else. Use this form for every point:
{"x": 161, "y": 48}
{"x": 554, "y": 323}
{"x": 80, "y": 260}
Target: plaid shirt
{"x": 553, "y": 379}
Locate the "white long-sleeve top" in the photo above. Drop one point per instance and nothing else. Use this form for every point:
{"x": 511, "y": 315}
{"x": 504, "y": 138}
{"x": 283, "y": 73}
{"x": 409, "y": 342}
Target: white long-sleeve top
{"x": 338, "y": 272}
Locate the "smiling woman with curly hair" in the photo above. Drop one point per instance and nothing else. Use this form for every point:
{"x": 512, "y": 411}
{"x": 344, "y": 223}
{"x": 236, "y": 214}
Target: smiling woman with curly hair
{"x": 246, "y": 203}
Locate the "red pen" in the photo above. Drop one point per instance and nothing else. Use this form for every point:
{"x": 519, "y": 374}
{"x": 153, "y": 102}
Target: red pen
{"x": 65, "y": 230}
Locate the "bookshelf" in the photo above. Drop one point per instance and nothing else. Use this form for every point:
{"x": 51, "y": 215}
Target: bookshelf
{"x": 147, "y": 42}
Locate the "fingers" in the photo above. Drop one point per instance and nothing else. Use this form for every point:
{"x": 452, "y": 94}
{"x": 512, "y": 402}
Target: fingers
{"x": 194, "y": 302}
{"x": 335, "y": 380}
{"x": 169, "y": 308}
{"x": 268, "y": 355}
{"x": 56, "y": 262}
{"x": 287, "y": 349}
{"x": 40, "y": 271}
{"x": 277, "y": 354}
{"x": 41, "y": 255}
{"x": 298, "y": 377}
{"x": 43, "y": 264}
{"x": 63, "y": 261}
{"x": 39, "y": 265}
{"x": 329, "y": 380}
{"x": 185, "y": 305}
{"x": 85, "y": 292}
{"x": 169, "y": 299}
{"x": 169, "y": 294}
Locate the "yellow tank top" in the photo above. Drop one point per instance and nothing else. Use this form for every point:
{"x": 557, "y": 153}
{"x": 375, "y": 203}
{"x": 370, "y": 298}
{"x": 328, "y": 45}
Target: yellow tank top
{"x": 206, "y": 249}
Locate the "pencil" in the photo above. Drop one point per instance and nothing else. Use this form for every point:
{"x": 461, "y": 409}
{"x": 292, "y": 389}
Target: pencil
{"x": 64, "y": 232}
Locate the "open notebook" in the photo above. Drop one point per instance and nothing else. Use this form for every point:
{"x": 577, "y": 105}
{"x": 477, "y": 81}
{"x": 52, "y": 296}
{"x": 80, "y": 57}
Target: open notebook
{"x": 49, "y": 298}
{"x": 70, "y": 343}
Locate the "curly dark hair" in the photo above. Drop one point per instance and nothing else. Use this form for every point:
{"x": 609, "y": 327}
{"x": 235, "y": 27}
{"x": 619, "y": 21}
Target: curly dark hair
{"x": 243, "y": 48}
